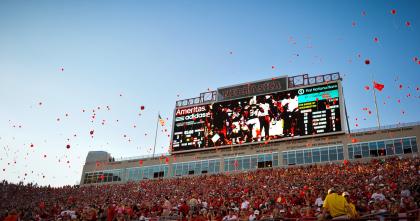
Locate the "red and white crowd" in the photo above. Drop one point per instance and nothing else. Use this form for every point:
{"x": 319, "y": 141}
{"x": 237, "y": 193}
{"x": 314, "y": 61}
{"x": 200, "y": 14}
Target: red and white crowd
{"x": 382, "y": 187}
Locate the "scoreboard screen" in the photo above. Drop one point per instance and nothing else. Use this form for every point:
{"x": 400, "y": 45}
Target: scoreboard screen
{"x": 293, "y": 113}
{"x": 189, "y": 127}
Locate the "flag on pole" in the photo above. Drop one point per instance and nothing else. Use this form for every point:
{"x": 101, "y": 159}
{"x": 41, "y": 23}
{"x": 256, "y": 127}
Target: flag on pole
{"x": 161, "y": 121}
{"x": 378, "y": 86}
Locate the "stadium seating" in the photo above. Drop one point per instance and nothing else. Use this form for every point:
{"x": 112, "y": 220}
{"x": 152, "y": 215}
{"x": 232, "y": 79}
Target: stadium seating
{"x": 383, "y": 187}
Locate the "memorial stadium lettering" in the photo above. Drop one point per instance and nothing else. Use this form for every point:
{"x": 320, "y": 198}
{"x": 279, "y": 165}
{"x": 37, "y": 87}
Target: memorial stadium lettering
{"x": 278, "y": 84}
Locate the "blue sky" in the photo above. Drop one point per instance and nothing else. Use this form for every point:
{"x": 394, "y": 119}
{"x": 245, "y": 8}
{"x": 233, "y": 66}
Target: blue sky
{"x": 156, "y": 52}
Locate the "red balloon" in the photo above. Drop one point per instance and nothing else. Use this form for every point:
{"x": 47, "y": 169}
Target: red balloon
{"x": 367, "y": 61}
{"x": 393, "y": 11}
{"x": 68, "y": 146}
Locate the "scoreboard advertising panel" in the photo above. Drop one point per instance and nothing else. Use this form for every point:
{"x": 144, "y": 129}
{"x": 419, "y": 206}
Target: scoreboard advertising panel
{"x": 294, "y": 113}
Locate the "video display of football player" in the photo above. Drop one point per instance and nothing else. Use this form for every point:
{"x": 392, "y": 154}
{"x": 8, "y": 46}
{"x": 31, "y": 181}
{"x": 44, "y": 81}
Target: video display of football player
{"x": 253, "y": 119}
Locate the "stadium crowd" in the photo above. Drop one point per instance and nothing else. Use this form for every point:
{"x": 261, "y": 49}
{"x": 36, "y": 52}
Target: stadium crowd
{"x": 384, "y": 187}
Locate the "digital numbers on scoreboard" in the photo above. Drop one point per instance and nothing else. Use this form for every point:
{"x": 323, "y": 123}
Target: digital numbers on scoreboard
{"x": 320, "y": 109}
{"x": 189, "y": 128}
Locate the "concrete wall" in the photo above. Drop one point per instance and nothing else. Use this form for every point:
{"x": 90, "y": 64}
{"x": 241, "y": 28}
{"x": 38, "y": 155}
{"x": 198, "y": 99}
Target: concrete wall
{"x": 278, "y": 146}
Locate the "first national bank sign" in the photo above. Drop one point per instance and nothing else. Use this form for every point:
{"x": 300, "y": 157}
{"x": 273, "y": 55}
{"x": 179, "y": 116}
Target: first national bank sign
{"x": 254, "y": 88}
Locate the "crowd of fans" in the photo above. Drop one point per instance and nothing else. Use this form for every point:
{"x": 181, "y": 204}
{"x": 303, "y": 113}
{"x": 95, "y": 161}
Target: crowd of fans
{"x": 384, "y": 187}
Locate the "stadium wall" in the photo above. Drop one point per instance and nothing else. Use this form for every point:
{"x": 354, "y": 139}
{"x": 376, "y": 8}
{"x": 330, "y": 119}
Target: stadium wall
{"x": 395, "y": 140}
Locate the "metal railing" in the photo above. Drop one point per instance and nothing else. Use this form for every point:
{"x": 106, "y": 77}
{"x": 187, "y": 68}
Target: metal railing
{"x": 391, "y": 126}
{"x": 142, "y": 157}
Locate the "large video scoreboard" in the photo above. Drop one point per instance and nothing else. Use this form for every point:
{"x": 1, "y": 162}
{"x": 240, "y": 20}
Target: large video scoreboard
{"x": 280, "y": 115}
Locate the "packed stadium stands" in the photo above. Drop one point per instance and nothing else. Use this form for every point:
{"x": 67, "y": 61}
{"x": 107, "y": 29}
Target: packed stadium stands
{"x": 378, "y": 189}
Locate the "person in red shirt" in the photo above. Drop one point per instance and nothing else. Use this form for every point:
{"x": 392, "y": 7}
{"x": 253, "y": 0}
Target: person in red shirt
{"x": 129, "y": 210}
{"x": 110, "y": 212}
{"x": 184, "y": 209}
{"x": 12, "y": 216}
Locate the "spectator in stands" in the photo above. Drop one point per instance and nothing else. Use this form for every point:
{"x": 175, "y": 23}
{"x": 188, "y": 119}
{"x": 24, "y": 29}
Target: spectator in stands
{"x": 255, "y": 215}
{"x": 167, "y": 206}
{"x": 378, "y": 195}
{"x": 245, "y": 204}
{"x": 319, "y": 201}
{"x": 110, "y": 212}
{"x": 334, "y": 205}
{"x": 351, "y": 209}
{"x": 231, "y": 216}
{"x": 13, "y": 216}
{"x": 183, "y": 208}
{"x": 390, "y": 185}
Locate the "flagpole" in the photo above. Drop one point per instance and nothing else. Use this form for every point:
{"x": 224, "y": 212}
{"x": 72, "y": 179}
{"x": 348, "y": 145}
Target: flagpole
{"x": 157, "y": 125}
{"x": 376, "y": 106}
